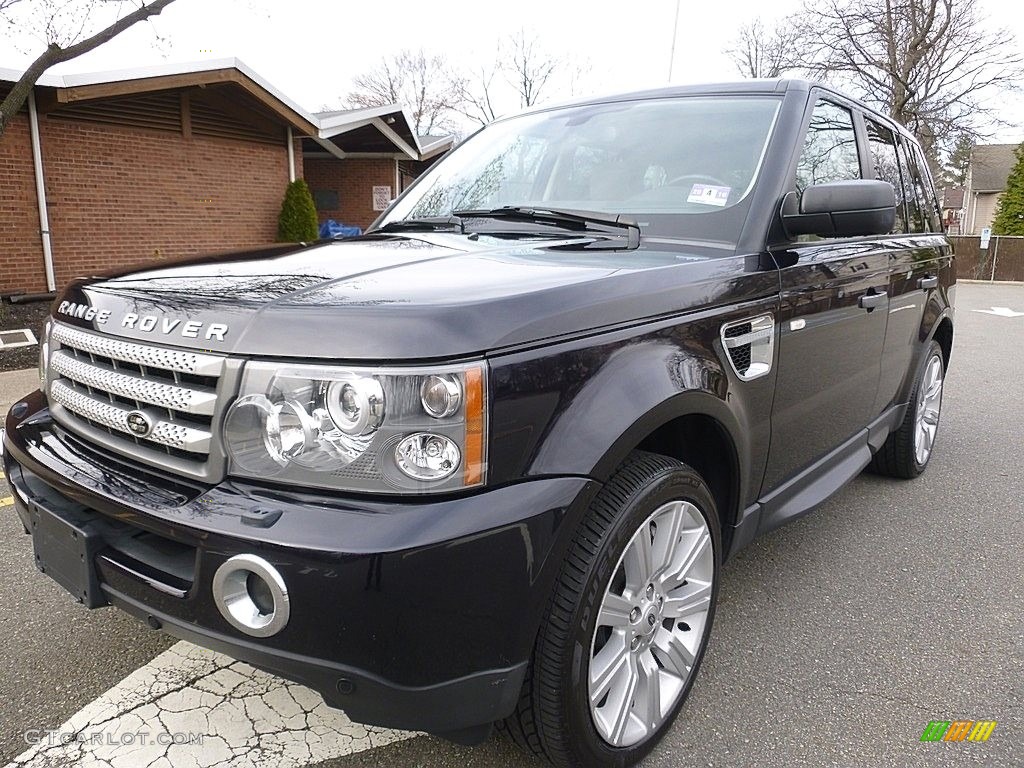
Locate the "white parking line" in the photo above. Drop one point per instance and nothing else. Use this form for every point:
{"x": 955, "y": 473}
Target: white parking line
{"x": 233, "y": 715}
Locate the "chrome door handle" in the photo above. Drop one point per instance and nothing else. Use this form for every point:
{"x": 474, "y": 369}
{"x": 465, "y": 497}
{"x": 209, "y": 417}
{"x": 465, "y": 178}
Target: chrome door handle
{"x": 928, "y": 281}
{"x": 871, "y": 300}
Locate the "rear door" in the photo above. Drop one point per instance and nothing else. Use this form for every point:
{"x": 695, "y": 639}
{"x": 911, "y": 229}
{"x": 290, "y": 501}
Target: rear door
{"x": 919, "y": 252}
{"x": 833, "y": 313}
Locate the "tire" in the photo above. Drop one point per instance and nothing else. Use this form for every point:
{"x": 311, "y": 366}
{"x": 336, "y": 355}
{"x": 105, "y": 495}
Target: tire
{"x": 554, "y": 718}
{"x": 902, "y": 454}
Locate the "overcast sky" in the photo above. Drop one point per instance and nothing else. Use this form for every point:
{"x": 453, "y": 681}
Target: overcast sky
{"x": 311, "y": 49}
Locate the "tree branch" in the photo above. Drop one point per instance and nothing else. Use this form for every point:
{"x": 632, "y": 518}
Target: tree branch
{"x": 55, "y": 54}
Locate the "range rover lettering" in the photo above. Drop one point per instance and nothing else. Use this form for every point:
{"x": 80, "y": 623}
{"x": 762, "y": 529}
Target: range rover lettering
{"x": 482, "y": 465}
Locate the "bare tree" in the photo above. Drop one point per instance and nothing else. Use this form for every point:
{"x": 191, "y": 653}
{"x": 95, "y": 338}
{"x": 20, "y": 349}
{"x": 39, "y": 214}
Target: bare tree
{"x": 529, "y": 67}
{"x": 933, "y": 65}
{"x": 765, "y": 51}
{"x": 477, "y": 98}
{"x": 417, "y": 80}
{"x": 529, "y": 73}
{"x": 66, "y": 28}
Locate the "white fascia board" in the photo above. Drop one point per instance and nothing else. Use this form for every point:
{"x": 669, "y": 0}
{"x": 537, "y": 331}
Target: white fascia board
{"x": 14, "y": 75}
{"x": 436, "y": 147}
{"x": 163, "y": 70}
{"x": 331, "y": 126}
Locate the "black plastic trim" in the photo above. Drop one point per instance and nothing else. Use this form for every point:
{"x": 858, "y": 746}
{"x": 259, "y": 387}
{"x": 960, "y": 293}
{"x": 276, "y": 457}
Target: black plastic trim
{"x": 453, "y": 705}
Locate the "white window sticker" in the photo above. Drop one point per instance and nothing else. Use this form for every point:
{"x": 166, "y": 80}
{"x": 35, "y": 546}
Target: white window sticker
{"x": 709, "y": 195}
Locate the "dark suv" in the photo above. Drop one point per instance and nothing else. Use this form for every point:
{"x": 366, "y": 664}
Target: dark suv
{"x": 484, "y": 463}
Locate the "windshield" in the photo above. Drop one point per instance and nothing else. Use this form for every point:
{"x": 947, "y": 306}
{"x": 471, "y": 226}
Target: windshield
{"x": 681, "y": 167}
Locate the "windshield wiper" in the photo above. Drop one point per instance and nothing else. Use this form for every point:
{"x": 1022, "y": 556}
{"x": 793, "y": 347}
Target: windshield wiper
{"x": 428, "y": 223}
{"x": 582, "y": 221}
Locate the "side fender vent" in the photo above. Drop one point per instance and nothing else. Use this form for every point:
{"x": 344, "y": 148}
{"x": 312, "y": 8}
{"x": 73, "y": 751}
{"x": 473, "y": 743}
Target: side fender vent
{"x": 750, "y": 345}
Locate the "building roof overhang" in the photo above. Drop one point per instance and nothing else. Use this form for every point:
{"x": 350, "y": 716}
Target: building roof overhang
{"x": 379, "y": 130}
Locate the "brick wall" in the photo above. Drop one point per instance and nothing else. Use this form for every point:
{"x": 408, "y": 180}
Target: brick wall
{"x": 353, "y": 179}
{"x": 297, "y": 142}
{"x": 121, "y": 195}
{"x": 21, "y": 250}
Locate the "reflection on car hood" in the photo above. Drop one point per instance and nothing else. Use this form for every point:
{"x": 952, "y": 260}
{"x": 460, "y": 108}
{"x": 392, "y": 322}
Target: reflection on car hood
{"x": 413, "y": 296}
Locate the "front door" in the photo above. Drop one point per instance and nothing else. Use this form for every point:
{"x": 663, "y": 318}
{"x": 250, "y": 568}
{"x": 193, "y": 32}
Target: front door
{"x": 832, "y": 318}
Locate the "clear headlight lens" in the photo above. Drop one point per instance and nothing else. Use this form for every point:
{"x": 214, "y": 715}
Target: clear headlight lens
{"x": 380, "y": 430}
{"x": 441, "y": 396}
{"x": 356, "y": 404}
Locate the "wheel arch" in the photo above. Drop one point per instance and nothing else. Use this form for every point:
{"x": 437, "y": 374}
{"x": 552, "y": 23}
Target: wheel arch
{"x": 943, "y": 334}
{"x": 699, "y": 430}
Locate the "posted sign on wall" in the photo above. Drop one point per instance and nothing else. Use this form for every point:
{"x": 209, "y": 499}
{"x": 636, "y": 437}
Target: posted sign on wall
{"x": 986, "y": 234}
{"x": 381, "y": 198}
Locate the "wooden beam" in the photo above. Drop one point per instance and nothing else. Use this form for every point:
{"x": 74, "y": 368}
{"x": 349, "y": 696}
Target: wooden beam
{"x": 142, "y": 85}
{"x": 331, "y": 147}
{"x": 279, "y": 108}
{"x": 186, "y": 115}
{"x": 397, "y": 140}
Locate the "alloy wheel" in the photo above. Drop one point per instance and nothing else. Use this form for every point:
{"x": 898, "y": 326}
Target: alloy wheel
{"x": 651, "y": 624}
{"x": 929, "y": 402}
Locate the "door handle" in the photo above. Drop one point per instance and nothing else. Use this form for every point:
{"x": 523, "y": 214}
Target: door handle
{"x": 928, "y": 281}
{"x": 871, "y": 300}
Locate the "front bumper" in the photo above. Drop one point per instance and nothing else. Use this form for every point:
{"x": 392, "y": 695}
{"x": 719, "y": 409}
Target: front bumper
{"x": 407, "y": 614}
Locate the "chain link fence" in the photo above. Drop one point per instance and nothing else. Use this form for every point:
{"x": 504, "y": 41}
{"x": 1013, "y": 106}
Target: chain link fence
{"x": 1002, "y": 260}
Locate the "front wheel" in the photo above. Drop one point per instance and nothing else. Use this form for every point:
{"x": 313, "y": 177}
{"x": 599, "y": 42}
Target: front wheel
{"x": 626, "y": 629}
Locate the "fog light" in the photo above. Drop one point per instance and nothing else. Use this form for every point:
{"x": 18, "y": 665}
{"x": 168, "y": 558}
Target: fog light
{"x": 427, "y": 457}
{"x": 251, "y": 595}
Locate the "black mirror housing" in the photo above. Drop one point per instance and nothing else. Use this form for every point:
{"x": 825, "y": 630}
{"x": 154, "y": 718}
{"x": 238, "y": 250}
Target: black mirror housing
{"x": 841, "y": 209}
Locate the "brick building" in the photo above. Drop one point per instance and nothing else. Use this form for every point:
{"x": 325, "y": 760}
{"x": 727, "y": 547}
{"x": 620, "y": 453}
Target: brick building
{"x": 174, "y": 161}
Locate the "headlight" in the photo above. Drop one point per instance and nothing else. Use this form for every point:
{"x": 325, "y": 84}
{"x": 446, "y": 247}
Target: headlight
{"x": 384, "y": 430}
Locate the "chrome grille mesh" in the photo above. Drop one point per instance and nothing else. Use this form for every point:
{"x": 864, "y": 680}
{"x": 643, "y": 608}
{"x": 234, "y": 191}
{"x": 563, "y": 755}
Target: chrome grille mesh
{"x": 99, "y": 381}
{"x": 98, "y": 376}
{"x": 113, "y": 417}
{"x": 140, "y": 354}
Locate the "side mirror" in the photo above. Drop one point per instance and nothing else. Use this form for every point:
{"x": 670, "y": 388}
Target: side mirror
{"x": 841, "y": 209}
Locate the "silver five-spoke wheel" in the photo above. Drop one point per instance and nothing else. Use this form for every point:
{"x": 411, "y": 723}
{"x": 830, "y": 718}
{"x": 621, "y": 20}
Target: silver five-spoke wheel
{"x": 929, "y": 402}
{"x": 651, "y": 623}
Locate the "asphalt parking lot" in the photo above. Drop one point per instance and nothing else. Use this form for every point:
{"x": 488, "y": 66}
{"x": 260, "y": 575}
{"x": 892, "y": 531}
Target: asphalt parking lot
{"x": 838, "y": 637}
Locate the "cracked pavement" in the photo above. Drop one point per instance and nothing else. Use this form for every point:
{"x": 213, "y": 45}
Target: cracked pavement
{"x": 240, "y": 717}
{"x": 837, "y": 638}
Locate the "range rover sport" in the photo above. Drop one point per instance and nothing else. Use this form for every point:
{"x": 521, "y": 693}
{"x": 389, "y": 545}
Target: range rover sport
{"x": 483, "y": 464}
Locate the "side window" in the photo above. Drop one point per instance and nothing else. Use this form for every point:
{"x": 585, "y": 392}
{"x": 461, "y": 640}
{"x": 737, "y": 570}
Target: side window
{"x": 830, "y": 148}
{"x": 915, "y": 216}
{"x": 922, "y": 205}
{"x": 924, "y": 190}
{"x": 882, "y": 143}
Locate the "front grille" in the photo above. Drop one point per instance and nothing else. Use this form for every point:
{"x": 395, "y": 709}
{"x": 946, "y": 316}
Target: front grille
{"x": 98, "y": 381}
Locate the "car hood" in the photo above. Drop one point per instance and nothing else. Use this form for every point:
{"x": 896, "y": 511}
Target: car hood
{"x": 408, "y": 297}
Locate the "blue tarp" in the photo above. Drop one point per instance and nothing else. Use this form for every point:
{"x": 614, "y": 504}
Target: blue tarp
{"x": 332, "y": 229}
